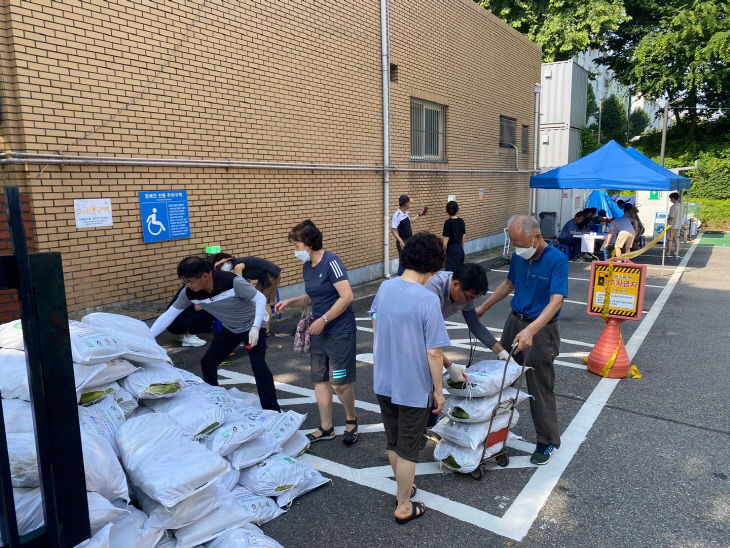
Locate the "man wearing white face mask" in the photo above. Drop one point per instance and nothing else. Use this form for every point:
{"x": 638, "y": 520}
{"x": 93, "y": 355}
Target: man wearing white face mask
{"x": 538, "y": 275}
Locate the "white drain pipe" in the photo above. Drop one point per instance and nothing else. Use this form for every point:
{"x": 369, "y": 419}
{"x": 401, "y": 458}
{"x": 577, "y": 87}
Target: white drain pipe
{"x": 536, "y": 144}
{"x": 385, "y": 57}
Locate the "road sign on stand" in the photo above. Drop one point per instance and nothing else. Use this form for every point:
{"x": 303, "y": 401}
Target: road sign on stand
{"x": 626, "y": 292}
{"x": 164, "y": 215}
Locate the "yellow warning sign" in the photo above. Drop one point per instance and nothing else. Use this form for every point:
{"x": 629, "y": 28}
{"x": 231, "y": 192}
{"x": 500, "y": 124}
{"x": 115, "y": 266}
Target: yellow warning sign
{"x": 626, "y": 289}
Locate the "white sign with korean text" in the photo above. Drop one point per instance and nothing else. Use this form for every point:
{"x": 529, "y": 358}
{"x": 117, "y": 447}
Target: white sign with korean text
{"x": 93, "y": 213}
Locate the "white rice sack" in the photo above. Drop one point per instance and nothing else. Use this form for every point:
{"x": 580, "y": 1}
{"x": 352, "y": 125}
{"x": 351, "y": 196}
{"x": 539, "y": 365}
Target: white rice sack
{"x": 23, "y": 460}
{"x": 190, "y": 378}
{"x": 228, "y": 515}
{"x": 18, "y": 415}
{"x": 245, "y": 399}
{"x": 274, "y": 476}
{"x": 11, "y": 335}
{"x": 243, "y": 537}
{"x": 480, "y": 409}
{"x": 153, "y": 381}
{"x": 167, "y": 541}
{"x": 471, "y": 434}
{"x": 113, "y": 371}
{"x": 133, "y": 333}
{"x": 128, "y": 531}
{"x": 230, "y": 480}
{"x": 259, "y": 509}
{"x": 296, "y": 445}
{"x": 254, "y": 451}
{"x": 104, "y": 473}
{"x": 181, "y": 514}
{"x": 125, "y": 400}
{"x": 90, "y": 344}
{"x": 483, "y": 379}
{"x": 234, "y": 432}
{"x": 101, "y": 511}
{"x": 192, "y": 410}
{"x": 84, "y": 375}
{"x": 163, "y": 462}
{"x": 13, "y": 375}
{"x": 312, "y": 480}
{"x": 141, "y": 410}
{"x": 28, "y": 509}
{"x": 103, "y": 418}
{"x": 280, "y": 425}
{"x": 98, "y": 540}
{"x": 463, "y": 459}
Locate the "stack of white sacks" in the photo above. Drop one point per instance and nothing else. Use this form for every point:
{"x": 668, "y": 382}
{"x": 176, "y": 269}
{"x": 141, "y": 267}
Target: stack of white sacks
{"x": 464, "y": 429}
{"x": 169, "y": 459}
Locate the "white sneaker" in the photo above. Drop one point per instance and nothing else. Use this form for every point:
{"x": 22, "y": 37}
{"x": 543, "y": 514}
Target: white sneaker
{"x": 192, "y": 340}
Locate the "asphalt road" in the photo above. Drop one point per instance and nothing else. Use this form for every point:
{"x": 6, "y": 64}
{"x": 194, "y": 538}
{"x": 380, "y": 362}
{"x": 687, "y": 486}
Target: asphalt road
{"x": 643, "y": 462}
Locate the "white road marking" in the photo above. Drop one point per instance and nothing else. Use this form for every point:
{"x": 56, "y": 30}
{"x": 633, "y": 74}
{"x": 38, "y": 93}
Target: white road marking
{"x": 520, "y": 516}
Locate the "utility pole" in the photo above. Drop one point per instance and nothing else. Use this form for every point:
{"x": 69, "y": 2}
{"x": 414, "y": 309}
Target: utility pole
{"x": 664, "y": 132}
{"x": 600, "y": 113}
{"x": 628, "y": 121}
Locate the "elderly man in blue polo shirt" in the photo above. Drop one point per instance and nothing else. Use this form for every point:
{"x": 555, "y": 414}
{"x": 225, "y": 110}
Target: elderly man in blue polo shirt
{"x": 538, "y": 275}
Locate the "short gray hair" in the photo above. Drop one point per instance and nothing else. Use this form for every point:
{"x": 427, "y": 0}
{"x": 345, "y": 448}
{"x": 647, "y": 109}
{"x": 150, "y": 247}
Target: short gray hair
{"x": 527, "y": 223}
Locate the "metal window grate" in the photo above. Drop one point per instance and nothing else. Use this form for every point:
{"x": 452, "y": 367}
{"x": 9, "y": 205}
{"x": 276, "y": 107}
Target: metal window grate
{"x": 427, "y": 130}
{"x": 507, "y": 131}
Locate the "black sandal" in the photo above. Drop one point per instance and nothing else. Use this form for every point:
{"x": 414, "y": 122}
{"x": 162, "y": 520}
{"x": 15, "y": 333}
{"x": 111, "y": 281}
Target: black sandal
{"x": 415, "y": 514}
{"x": 350, "y": 436}
{"x": 325, "y": 434}
{"x": 414, "y": 490}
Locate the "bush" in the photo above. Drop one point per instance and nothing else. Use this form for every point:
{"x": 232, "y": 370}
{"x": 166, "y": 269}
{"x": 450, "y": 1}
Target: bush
{"x": 712, "y": 178}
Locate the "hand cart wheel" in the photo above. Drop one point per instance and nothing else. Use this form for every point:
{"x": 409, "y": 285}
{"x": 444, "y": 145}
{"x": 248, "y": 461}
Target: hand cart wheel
{"x": 502, "y": 459}
{"x": 476, "y": 473}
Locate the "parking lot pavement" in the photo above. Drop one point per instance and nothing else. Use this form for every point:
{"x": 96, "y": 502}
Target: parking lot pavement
{"x": 641, "y": 461}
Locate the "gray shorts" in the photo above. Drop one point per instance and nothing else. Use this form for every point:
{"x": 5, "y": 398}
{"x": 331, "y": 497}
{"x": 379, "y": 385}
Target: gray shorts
{"x": 335, "y": 354}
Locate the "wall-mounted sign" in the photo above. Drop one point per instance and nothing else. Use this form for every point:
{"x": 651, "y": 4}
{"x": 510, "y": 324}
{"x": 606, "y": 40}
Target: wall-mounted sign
{"x": 164, "y": 215}
{"x": 93, "y": 213}
{"x": 655, "y": 194}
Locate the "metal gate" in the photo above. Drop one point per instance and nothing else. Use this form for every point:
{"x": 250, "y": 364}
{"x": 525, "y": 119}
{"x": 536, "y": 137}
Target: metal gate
{"x": 38, "y": 279}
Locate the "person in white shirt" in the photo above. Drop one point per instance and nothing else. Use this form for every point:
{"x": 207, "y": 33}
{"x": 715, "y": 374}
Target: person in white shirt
{"x": 400, "y": 227}
{"x": 674, "y": 222}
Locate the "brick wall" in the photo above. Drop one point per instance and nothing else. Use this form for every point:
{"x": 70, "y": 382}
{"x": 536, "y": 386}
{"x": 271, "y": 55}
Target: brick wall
{"x": 9, "y": 305}
{"x": 267, "y": 81}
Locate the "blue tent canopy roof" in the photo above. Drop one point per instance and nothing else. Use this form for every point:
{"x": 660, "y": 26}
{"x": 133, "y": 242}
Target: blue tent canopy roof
{"x": 612, "y": 166}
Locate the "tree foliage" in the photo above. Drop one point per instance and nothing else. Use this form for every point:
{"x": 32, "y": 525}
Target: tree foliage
{"x": 562, "y": 28}
{"x": 638, "y": 121}
{"x": 613, "y": 121}
{"x": 591, "y": 104}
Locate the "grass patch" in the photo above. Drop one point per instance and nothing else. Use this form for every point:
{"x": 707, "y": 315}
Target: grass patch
{"x": 714, "y": 214}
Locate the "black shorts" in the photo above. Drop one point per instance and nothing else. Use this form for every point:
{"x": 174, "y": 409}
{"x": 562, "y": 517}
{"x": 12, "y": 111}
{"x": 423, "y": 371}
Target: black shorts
{"x": 404, "y": 427}
{"x": 336, "y": 354}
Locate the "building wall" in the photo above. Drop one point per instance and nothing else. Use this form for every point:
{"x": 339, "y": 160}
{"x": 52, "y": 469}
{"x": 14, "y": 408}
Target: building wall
{"x": 252, "y": 81}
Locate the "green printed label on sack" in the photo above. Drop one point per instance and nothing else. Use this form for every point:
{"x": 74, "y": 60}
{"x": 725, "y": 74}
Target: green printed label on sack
{"x": 284, "y": 488}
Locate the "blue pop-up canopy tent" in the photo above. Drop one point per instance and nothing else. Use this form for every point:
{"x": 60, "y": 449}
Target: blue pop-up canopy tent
{"x": 612, "y": 166}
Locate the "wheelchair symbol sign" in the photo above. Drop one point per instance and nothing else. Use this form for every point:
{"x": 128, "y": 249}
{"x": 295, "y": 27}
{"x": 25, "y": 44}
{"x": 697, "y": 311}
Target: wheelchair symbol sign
{"x": 164, "y": 215}
{"x": 154, "y": 227}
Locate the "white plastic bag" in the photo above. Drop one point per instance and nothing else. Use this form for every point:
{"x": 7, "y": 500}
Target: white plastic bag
{"x": 113, "y": 371}
{"x": 296, "y": 445}
{"x": 153, "y": 381}
{"x": 274, "y": 476}
{"x": 23, "y": 460}
{"x": 128, "y": 531}
{"x": 13, "y": 375}
{"x": 103, "y": 418}
{"x": 234, "y": 432}
{"x": 133, "y": 333}
{"x": 244, "y": 536}
{"x": 181, "y": 514}
{"x": 90, "y": 344}
{"x": 228, "y": 515}
{"x": 163, "y": 462}
{"x": 84, "y": 375}
{"x": 483, "y": 379}
{"x": 245, "y": 399}
{"x": 11, "y": 335}
{"x": 18, "y": 416}
{"x": 259, "y": 509}
{"x": 312, "y": 480}
{"x": 28, "y": 509}
{"x": 230, "y": 481}
{"x": 104, "y": 473}
{"x": 280, "y": 425}
{"x": 254, "y": 451}
{"x": 101, "y": 511}
{"x": 480, "y": 409}
{"x": 472, "y": 434}
{"x": 192, "y": 410}
{"x": 463, "y": 459}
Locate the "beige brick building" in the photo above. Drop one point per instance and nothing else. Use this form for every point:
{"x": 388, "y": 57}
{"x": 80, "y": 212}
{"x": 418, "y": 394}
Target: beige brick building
{"x": 235, "y": 102}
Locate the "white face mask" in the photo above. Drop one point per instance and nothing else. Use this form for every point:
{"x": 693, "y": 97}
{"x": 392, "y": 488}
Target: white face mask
{"x": 227, "y": 267}
{"x": 301, "y": 255}
{"x": 526, "y": 252}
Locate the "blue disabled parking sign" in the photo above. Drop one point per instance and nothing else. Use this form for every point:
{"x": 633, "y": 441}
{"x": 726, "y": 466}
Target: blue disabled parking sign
{"x": 164, "y": 215}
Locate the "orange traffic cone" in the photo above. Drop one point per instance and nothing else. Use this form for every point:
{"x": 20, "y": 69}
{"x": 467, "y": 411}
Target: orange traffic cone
{"x": 608, "y": 357}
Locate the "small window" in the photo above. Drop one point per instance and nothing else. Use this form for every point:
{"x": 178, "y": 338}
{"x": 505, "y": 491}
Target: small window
{"x": 427, "y": 130}
{"x": 507, "y": 130}
{"x": 525, "y": 139}
{"x": 394, "y": 73}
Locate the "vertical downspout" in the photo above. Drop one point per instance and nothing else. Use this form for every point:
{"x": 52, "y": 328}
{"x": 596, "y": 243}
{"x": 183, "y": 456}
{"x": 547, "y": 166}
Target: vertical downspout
{"x": 536, "y": 144}
{"x": 385, "y": 56}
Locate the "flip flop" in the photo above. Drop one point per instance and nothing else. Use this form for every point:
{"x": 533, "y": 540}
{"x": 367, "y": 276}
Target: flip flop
{"x": 415, "y": 514}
